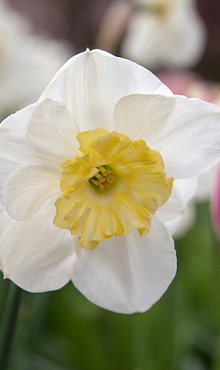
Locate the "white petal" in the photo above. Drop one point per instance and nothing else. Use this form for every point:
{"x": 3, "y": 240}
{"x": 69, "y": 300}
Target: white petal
{"x": 36, "y": 255}
{"x": 17, "y": 122}
{"x": 206, "y": 184}
{"x": 185, "y": 131}
{"x": 91, "y": 83}
{"x": 14, "y": 148}
{"x": 29, "y": 188}
{"x": 173, "y": 211}
{"x": 43, "y": 135}
{"x": 187, "y": 221}
{"x": 53, "y": 129}
{"x": 128, "y": 273}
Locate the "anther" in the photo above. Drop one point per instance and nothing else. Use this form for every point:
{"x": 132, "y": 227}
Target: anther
{"x": 111, "y": 179}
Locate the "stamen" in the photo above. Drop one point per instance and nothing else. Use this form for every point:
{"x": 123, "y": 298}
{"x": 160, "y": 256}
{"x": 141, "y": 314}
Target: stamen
{"x": 103, "y": 170}
{"x": 100, "y": 178}
{"x": 111, "y": 179}
{"x": 94, "y": 182}
{"x": 104, "y": 177}
{"x": 103, "y": 185}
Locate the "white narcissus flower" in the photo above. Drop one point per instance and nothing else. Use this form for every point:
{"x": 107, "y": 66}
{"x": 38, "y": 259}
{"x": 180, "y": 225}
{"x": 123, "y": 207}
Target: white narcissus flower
{"x": 83, "y": 173}
{"x": 165, "y": 33}
{"x": 27, "y": 62}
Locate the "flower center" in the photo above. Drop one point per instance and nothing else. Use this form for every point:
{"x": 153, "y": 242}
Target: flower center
{"x": 112, "y": 189}
{"x": 104, "y": 178}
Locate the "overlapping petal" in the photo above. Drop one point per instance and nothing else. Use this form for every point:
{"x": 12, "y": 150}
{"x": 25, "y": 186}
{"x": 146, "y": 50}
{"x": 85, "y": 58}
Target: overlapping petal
{"x": 54, "y": 130}
{"x": 91, "y": 83}
{"x": 31, "y": 152}
{"x": 39, "y": 183}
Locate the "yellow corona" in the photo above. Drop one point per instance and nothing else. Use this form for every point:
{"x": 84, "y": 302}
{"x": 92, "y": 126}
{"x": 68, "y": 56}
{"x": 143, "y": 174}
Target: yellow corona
{"x": 112, "y": 189}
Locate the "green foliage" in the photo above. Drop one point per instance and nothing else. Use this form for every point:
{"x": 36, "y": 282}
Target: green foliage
{"x": 62, "y": 330}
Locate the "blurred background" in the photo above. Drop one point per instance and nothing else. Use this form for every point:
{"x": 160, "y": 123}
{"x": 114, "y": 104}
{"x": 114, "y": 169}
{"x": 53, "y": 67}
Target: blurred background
{"x": 179, "y": 40}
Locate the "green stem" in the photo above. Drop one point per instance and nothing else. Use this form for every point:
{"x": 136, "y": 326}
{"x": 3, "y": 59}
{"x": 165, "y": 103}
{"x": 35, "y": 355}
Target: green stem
{"x": 8, "y": 324}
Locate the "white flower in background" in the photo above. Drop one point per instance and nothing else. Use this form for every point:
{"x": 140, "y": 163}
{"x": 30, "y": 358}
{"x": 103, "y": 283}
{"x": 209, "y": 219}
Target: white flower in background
{"x": 27, "y": 62}
{"x": 83, "y": 173}
{"x": 165, "y": 33}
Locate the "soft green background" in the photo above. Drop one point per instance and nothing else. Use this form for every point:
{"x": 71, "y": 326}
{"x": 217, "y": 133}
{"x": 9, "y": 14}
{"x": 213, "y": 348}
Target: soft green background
{"x": 62, "y": 330}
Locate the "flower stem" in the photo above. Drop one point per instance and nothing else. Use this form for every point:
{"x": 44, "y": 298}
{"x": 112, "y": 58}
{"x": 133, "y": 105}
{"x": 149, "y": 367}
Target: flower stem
{"x": 8, "y": 324}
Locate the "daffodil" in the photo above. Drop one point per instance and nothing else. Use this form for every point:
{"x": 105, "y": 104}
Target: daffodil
{"x": 165, "y": 33}
{"x": 27, "y": 61}
{"x": 95, "y": 177}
